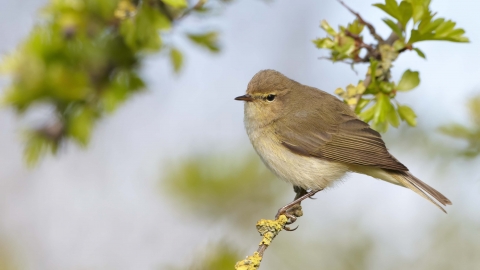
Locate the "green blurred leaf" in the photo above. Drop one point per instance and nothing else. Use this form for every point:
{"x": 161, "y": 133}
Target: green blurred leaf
{"x": 420, "y": 53}
{"x": 405, "y": 12}
{"x": 324, "y": 43}
{"x": 397, "y": 30}
{"x": 142, "y": 32}
{"x": 390, "y": 7}
{"x": 176, "y": 58}
{"x": 81, "y": 125}
{"x": 381, "y": 109}
{"x": 362, "y": 103}
{"x": 386, "y": 87}
{"x": 207, "y": 40}
{"x": 176, "y": 3}
{"x": 419, "y": 8}
{"x": 368, "y": 114}
{"x": 456, "y": 131}
{"x": 356, "y": 27}
{"x": 399, "y": 44}
{"x": 474, "y": 110}
{"x": 35, "y": 148}
{"x": 410, "y": 79}
{"x": 221, "y": 183}
{"x": 392, "y": 115}
{"x": 438, "y": 29}
{"x": 407, "y": 114}
{"x": 325, "y": 26}
{"x": 372, "y": 71}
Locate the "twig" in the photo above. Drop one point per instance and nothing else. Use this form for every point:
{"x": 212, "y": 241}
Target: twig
{"x": 269, "y": 229}
{"x": 197, "y": 6}
{"x": 362, "y": 21}
{"x": 372, "y": 51}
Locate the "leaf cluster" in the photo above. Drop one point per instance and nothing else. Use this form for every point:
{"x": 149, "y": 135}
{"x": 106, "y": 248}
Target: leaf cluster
{"x": 83, "y": 62}
{"x": 373, "y": 99}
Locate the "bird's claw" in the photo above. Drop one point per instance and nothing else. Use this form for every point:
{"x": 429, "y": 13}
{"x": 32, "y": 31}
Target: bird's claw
{"x": 290, "y": 216}
{"x": 286, "y": 228}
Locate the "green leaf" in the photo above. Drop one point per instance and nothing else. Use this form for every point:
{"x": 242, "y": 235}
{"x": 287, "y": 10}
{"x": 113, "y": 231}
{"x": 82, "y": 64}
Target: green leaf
{"x": 420, "y": 53}
{"x": 142, "y": 31}
{"x": 391, "y": 8}
{"x": 176, "y": 3}
{"x": 362, "y": 103}
{"x": 407, "y": 114}
{"x": 325, "y": 26}
{"x": 419, "y": 8}
{"x": 368, "y": 114}
{"x": 356, "y": 27}
{"x": 207, "y": 40}
{"x": 416, "y": 36}
{"x": 392, "y": 115}
{"x": 386, "y": 87}
{"x": 405, "y": 10}
{"x": 410, "y": 79}
{"x": 324, "y": 43}
{"x": 394, "y": 27}
{"x": 439, "y": 29}
{"x": 399, "y": 44}
{"x": 381, "y": 108}
{"x": 80, "y": 125}
{"x": 429, "y": 26}
{"x": 36, "y": 147}
{"x": 176, "y": 58}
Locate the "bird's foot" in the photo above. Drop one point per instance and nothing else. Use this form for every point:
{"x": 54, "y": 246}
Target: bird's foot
{"x": 292, "y": 213}
{"x": 293, "y": 210}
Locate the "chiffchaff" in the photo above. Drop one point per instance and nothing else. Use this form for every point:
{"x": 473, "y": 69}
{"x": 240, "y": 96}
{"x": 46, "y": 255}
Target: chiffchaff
{"x": 311, "y": 139}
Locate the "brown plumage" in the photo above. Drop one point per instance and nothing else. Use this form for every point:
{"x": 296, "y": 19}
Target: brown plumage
{"x": 313, "y": 124}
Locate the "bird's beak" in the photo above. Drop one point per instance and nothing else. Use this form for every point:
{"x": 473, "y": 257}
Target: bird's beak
{"x": 244, "y": 98}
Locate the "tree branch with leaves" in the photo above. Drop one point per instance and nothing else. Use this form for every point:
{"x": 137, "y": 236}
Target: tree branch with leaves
{"x": 83, "y": 61}
{"x": 374, "y": 98}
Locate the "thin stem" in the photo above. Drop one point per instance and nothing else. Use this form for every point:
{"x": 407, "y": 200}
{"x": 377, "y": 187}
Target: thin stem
{"x": 362, "y": 21}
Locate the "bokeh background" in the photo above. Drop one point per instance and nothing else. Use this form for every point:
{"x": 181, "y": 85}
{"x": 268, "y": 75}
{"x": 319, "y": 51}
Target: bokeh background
{"x": 170, "y": 180}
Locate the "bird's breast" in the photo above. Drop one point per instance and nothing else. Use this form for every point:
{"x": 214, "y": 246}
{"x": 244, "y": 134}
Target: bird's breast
{"x": 306, "y": 172}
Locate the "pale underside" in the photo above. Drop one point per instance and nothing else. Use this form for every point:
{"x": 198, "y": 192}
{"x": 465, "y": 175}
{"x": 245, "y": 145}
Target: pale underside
{"x": 319, "y": 156}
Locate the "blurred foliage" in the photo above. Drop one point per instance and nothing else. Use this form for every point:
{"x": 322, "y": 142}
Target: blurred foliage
{"x": 469, "y": 134}
{"x": 214, "y": 257}
{"x": 373, "y": 99}
{"x": 240, "y": 190}
{"x": 83, "y": 61}
{"x": 6, "y": 259}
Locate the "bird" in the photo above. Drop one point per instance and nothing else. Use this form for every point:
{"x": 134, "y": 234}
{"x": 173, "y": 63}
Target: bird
{"x": 311, "y": 139}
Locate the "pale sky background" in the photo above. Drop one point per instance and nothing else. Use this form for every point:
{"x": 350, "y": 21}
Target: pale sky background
{"x": 100, "y": 208}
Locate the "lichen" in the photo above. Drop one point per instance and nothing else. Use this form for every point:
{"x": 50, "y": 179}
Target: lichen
{"x": 250, "y": 263}
{"x": 270, "y": 228}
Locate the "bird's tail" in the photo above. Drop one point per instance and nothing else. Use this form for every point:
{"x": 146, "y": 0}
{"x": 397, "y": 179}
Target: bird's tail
{"x": 408, "y": 180}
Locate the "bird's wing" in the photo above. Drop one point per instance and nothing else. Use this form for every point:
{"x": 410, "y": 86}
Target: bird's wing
{"x": 347, "y": 139}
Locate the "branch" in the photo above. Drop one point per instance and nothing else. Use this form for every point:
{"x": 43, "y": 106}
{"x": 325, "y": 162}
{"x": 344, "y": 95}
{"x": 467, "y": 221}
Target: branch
{"x": 362, "y": 21}
{"x": 372, "y": 51}
{"x": 269, "y": 229}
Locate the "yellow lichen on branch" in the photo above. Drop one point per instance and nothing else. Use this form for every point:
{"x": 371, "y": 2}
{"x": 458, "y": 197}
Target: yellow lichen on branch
{"x": 269, "y": 229}
{"x": 250, "y": 263}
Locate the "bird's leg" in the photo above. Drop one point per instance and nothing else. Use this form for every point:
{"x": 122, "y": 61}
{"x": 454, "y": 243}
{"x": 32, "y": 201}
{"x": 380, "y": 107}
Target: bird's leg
{"x": 296, "y": 210}
{"x": 301, "y": 195}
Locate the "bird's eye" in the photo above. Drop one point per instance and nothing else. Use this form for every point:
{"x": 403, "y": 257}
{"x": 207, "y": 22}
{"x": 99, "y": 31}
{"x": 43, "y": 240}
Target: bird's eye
{"x": 270, "y": 97}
